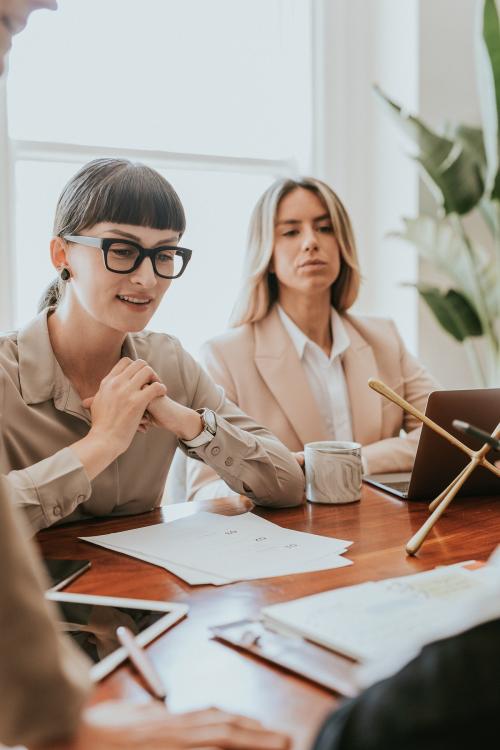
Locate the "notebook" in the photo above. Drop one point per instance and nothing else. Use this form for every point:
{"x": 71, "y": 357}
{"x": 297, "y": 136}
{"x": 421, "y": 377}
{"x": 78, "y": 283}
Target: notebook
{"x": 363, "y": 622}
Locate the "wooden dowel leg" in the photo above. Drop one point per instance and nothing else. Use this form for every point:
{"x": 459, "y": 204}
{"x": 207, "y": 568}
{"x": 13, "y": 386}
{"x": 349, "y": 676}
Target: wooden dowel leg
{"x": 391, "y": 395}
{"x": 441, "y": 502}
{"x": 440, "y": 497}
{"x": 388, "y": 393}
{"x": 418, "y": 538}
{"x": 494, "y": 469}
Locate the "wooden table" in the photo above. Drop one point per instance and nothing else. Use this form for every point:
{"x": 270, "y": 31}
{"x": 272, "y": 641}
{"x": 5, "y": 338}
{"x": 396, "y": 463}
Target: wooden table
{"x": 198, "y": 671}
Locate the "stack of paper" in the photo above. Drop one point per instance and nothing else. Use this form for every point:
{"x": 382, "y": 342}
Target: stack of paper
{"x": 210, "y": 548}
{"x": 370, "y": 620}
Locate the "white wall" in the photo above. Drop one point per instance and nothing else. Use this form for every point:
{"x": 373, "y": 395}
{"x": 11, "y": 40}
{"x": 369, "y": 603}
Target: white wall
{"x": 447, "y": 92}
{"x": 363, "y": 156}
{"x": 6, "y": 199}
{"x": 421, "y": 53}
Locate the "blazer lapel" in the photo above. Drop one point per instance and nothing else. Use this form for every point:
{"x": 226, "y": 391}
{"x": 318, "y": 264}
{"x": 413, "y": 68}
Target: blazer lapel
{"x": 279, "y": 365}
{"x": 366, "y": 405}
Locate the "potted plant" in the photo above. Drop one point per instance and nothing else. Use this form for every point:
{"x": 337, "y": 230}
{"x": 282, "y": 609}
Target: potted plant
{"x": 461, "y": 165}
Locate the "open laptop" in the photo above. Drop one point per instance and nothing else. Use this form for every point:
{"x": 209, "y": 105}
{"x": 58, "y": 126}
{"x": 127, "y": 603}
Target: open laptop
{"x": 437, "y": 462}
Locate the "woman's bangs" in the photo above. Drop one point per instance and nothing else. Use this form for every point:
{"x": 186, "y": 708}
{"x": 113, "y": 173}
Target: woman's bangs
{"x": 140, "y": 197}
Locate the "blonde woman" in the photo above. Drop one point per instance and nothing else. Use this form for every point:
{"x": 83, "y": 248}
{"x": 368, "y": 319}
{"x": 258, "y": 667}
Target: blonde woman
{"x": 296, "y": 359}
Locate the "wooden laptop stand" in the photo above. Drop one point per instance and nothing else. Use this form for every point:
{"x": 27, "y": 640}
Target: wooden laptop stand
{"x": 477, "y": 458}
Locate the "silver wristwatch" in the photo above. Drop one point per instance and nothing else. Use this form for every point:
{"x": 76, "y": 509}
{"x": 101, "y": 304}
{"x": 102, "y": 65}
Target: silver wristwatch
{"x": 209, "y": 422}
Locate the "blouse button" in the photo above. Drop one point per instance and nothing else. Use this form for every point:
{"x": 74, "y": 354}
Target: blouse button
{"x": 215, "y": 451}
{"x": 57, "y": 510}
{"x": 229, "y": 461}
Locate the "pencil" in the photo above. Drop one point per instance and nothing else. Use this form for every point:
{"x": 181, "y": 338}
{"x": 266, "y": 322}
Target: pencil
{"x": 142, "y": 663}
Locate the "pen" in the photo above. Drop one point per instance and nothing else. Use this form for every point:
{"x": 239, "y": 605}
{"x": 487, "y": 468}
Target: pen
{"x": 469, "y": 429}
{"x": 141, "y": 662}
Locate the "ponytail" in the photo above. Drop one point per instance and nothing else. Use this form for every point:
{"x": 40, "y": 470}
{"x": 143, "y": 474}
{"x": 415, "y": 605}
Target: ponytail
{"x": 51, "y": 296}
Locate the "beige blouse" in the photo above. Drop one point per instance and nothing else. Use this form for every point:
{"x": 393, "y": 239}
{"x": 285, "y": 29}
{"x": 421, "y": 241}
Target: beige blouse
{"x": 42, "y": 414}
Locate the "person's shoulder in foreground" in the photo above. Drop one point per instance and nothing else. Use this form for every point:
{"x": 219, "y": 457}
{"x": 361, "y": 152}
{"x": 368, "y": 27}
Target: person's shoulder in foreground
{"x": 447, "y": 698}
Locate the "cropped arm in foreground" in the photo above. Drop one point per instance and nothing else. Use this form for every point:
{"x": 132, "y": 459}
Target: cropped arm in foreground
{"x": 447, "y": 698}
{"x": 43, "y": 678}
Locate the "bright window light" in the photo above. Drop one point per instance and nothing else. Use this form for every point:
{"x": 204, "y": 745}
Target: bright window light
{"x": 221, "y": 79}
{"x": 227, "y": 77}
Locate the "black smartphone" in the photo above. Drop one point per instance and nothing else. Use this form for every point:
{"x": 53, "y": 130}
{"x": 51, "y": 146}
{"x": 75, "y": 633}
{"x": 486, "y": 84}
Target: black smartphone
{"x": 62, "y": 572}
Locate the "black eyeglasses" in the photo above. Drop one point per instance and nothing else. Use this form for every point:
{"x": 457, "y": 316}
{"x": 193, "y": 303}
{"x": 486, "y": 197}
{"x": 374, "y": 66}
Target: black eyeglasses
{"x": 124, "y": 256}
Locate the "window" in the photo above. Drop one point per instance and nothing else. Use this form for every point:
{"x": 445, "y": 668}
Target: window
{"x": 216, "y": 95}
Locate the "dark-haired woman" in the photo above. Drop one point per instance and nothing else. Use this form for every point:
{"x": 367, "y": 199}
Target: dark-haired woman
{"x": 76, "y": 382}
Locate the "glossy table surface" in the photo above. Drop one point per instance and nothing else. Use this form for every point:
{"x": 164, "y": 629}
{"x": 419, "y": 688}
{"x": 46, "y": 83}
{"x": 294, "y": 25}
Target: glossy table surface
{"x": 199, "y": 671}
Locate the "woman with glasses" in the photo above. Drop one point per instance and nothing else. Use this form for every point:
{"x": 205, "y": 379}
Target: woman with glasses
{"x": 82, "y": 378}
{"x": 296, "y": 359}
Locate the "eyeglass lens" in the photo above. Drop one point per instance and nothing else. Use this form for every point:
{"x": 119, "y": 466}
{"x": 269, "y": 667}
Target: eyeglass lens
{"x": 122, "y": 256}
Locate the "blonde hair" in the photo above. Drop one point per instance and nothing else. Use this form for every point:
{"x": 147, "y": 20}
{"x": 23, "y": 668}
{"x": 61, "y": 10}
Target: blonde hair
{"x": 260, "y": 288}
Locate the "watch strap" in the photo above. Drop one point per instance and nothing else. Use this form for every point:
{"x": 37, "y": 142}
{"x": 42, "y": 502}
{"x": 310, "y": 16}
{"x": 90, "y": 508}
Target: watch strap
{"x": 208, "y": 432}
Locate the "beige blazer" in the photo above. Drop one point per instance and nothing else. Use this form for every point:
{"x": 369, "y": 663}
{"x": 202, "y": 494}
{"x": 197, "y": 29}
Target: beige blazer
{"x": 260, "y": 370}
{"x": 41, "y": 415}
{"x": 44, "y": 679}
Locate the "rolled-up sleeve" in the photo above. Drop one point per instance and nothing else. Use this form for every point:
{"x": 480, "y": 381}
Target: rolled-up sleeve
{"x": 51, "y": 489}
{"x": 247, "y": 456}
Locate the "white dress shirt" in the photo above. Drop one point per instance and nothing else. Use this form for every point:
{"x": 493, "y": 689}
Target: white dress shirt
{"x": 325, "y": 374}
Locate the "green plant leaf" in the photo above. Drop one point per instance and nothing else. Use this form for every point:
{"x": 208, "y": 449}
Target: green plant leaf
{"x": 453, "y": 312}
{"x": 453, "y": 169}
{"x": 488, "y": 84}
{"x": 438, "y": 243}
{"x": 490, "y": 276}
{"x": 472, "y": 139}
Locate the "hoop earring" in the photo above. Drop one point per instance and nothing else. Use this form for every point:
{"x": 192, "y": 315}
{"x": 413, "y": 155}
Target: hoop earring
{"x": 64, "y": 274}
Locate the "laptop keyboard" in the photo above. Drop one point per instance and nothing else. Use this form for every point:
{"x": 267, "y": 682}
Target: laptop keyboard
{"x": 399, "y": 486}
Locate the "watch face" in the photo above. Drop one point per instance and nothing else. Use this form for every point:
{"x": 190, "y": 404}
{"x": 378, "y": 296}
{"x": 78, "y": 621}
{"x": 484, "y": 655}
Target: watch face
{"x": 210, "y": 421}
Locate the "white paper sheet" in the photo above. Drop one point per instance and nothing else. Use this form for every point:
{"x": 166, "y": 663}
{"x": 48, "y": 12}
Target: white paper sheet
{"x": 211, "y": 548}
{"x": 190, "y": 575}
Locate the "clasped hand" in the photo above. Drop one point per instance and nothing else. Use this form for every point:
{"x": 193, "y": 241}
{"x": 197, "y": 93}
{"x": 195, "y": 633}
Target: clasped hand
{"x": 130, "y": 398}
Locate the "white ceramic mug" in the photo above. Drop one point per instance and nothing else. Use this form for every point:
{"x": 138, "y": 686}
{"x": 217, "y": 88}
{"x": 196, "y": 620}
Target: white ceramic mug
{"x": 333, "y": 471}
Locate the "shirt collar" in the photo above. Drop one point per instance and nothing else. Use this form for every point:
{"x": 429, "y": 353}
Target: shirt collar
{"x": 40, "y": 375}
{"x": 341, "y": 340}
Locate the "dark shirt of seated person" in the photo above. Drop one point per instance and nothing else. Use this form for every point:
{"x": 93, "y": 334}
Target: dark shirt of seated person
{"x": 296, "y": 359}
{"x": 76, "y": 381}
{"x": 447, "y": 698}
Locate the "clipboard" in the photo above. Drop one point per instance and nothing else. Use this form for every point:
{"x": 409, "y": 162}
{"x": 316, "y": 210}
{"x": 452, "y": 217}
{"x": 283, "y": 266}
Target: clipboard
{"x": 317, "y": 664}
